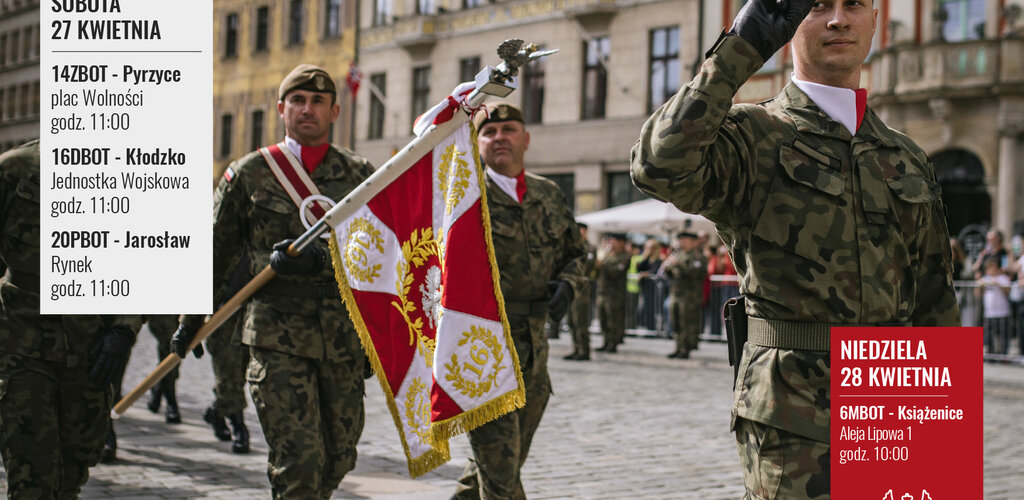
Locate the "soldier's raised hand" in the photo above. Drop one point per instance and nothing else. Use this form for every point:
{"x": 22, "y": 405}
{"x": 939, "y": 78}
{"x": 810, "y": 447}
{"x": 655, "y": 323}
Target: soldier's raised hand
{"x": 770, "y": 24}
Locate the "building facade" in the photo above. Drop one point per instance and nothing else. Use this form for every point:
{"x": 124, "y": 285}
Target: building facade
{"x": 584, "y": 106}
{"x": 19, "y": 72}
{"x": 256, "y": 43}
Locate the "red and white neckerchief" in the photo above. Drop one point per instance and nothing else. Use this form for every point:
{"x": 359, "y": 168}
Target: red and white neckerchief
{"x": 514, "y": 187}
{"x": 295, "y": 180}
{"x": 845, "y": 106}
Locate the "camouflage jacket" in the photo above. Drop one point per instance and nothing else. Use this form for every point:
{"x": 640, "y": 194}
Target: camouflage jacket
{"x": 535, "y": 241}
{"x": 687, "y": 271}
{"x": 23, "y": 331}
{"x": 822, "y": 226}
{"x": 251, "y": 213}
{"x": 611, "y": 274}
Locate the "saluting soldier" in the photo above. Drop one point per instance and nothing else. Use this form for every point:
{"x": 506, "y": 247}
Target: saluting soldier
{"x": 57, "y": 373}
{"x": 611, "y": 268}
{"x": 832, "y": 218}
{"x": 539, "y": 254}
{"x": 686, "y": 267}
{"x": 579, "y": 311}
{"x": 306, "y": 369}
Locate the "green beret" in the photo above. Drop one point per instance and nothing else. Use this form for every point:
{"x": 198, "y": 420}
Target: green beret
{"x": 497, "y": 111}
{"x": 307, "y": 77}
{"x": 617, "y": 236}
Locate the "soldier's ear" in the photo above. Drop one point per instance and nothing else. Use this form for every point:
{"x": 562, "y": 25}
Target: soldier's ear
{"x": 527, "y": 144}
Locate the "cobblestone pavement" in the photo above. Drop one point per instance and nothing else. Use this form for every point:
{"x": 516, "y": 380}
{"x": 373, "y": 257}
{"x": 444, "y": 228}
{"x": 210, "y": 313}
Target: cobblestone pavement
{"x": 624, "y": 426}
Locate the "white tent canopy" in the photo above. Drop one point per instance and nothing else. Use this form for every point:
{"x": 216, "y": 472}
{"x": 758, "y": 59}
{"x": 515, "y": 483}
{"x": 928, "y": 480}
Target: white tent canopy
{"x": 646, "y": 216}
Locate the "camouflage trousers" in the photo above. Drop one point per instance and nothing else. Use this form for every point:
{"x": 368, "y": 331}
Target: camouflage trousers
{"x": 230, "y": 361}
{"x": 53, "y": 422}
{"x": 163, "y": 327}
{"x": 781, "y": 465}
{"x": 311, "y": 412}
{"x": 500, "y": 447}
{"x": 579, "y": 322}
{"x": 611, "y": 315}
{"x": 685, "y": 318}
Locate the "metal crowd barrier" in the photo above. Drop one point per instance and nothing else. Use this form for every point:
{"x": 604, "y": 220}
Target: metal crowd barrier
{"x": 646, "y": 312}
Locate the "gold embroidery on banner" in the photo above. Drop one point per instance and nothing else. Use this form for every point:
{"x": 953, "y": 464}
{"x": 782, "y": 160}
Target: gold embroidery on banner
{"x": 417, "y": 411}
{"x": 486, "y": 347}
{"x": 415, "y": 252}
{"x": 361, "y": 235}
{"x": 453, "y": 184}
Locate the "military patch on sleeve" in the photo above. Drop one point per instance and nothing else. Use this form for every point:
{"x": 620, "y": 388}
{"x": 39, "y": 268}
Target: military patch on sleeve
{"x": 229, "y": 174}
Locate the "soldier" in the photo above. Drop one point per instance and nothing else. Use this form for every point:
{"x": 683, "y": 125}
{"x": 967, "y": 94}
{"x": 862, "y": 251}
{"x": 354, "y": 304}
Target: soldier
{"x": 56, "y": 372}
{"x": 540, "y": 255}
{"x": 306, "y": 365}
{"x": 687, "y": 268}
{"x": 579, "y": 311}
{"x": 611, "y": 268}
{"x": 831, "y": 217}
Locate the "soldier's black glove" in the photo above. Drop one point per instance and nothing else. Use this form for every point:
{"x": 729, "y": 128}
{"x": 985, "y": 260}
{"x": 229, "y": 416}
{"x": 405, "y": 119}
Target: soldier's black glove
{"x": 560, "y": 299}
{"x": 770, "y": 24}
{"x": 112, "y": 352}
{"x": 182, "y": 338}
{"x": 309, "y": 262}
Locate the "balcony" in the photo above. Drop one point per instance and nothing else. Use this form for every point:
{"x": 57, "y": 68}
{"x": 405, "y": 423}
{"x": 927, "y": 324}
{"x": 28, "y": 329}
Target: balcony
{"x": 948, "y": 70}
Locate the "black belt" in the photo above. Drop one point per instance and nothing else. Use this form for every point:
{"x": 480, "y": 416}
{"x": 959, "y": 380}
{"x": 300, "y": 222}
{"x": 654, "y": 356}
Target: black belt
{"x": 798, "y": 336}
{"x": 533, "y": 309}
{"x": 25, "y": 281}
{"x": 302, "y": 289}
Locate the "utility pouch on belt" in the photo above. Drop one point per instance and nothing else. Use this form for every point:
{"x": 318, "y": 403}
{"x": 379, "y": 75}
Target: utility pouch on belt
{"x": 735, "y": 331}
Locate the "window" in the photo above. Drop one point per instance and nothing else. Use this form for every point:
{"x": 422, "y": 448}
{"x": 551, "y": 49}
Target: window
{"x": 262, "y": 28}
{"x": 35, "y": 99}
{"x": 332, "y": 18}
{"x": 26, "y": 48}
{"x": 468, "y": 68}
{"x": 378, "y": 86}
{"x": 533, "y": 91}
{"x": 225, "y": 135}
{"x": 663, "y": 70}
{"x": 381, "y": 12}
{"x": 256, "y": 137}
{"x": 12, "y": 101}
{"x": 595, "y": 77}
{"x": 2, "y": 107}
{"x": 420, "y": 90}
{"x": 14, "y": 45}
{"x": 3, "y": 49}
{"x": 965, "y": 20}
{"x": 231, "y": 35}
{"x": 621, "y": 190}
{"x": 567, "y": 183}
{"x": 23, "y": 111}
{"x": 468, "y": 4}
{"x": 425, "y": 7}
{"x": 294, "y": 22}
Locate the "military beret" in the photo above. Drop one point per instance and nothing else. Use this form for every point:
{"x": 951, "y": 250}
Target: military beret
{"x": 581, "y": 225}
{"x": 617, "y": 236}
{"x": 307, "y": 77}
{"x": 497, "y": 111}
{"x": 686, "y": 234}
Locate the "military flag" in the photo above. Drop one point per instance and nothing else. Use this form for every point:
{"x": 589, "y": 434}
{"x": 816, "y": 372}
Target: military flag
{"x": 416, "y": 269}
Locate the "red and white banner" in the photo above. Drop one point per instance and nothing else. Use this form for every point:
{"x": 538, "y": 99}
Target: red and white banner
{"x": 416, "y": 269}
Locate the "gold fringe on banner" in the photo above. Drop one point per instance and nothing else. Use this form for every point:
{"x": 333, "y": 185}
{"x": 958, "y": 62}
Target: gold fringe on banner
{"x": 439, "y": 454}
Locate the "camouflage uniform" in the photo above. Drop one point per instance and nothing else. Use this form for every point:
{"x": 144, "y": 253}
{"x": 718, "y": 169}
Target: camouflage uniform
{"x": 823, "y": 227}
{"x": 579, "y": 311}
{"x": 53, "y": 417}
{"x": 534, "y": 242}
{"x": 162, "y": 326}
{"x": 687, "y": 272}
{"x": 306, "y": 364}
{"x": 611, "y": 296}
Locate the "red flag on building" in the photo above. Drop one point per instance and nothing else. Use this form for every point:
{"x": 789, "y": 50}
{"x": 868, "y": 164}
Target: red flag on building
{"x": 417, "y": 271}
{"x": 353, "y": 79}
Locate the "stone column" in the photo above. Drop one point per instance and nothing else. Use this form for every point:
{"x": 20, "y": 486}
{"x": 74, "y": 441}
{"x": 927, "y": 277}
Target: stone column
{"x": 1011, "y": 160}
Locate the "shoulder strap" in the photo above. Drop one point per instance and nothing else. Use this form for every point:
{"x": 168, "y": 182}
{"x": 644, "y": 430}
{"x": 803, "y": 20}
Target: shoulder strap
{"x": 294, "y": 179}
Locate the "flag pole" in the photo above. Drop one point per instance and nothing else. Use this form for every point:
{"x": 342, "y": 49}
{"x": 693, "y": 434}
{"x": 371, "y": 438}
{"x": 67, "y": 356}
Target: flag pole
{"x": 497, "y": 81}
